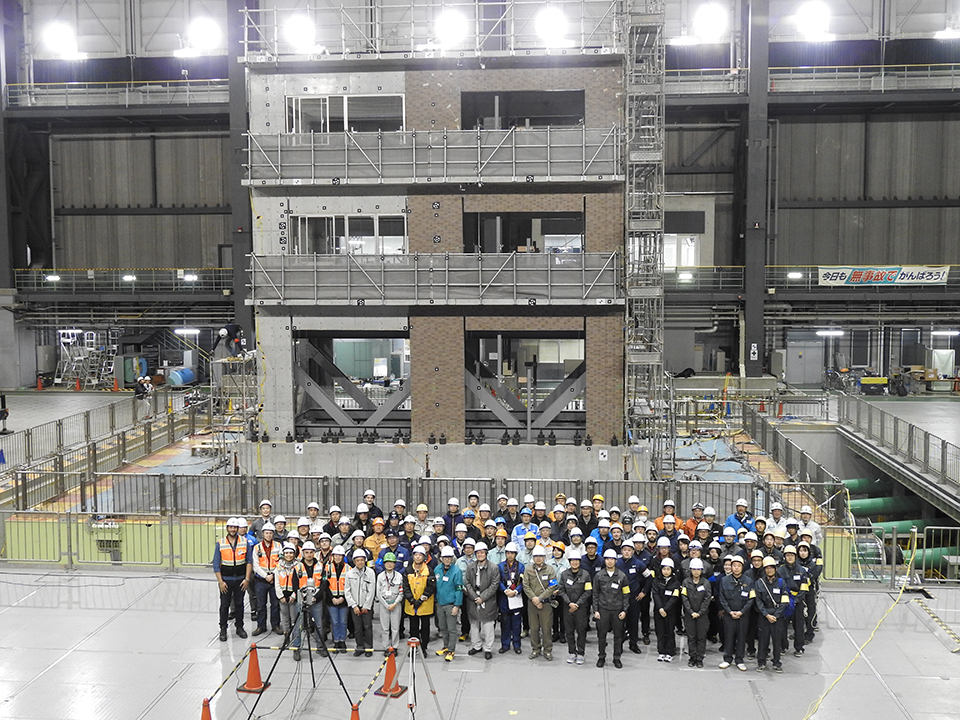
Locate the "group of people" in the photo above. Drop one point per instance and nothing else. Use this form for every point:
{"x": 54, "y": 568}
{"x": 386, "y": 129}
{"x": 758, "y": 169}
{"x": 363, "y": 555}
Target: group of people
{"x": 745, "y": 583}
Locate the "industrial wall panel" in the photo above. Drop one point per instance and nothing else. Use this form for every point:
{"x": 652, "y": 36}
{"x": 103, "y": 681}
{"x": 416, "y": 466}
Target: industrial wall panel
{"x": 821, "y": 160}
{"x": 142, "y": 241}
{"x": 99, "y": 172}
{"x": 162, "y": 26}
{"x": 99, "y": 25}
{"x": 192, "y": 171}
{"x": 913, "y": 157}
{"x": 682, "y": 143}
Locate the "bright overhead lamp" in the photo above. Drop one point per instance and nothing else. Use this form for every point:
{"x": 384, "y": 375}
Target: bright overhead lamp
{"x": 947, "y": 34}
{"x": 129, "y": 278}
{"x": 551, "y": 26}
{"x": 301, "y": 33}
{"x": 190, "y": 277}
{"x": 794, "y": 275}
{"x": 813, "y": 21}
{"x": 53, "y": 278}
{"x": 945, "y": 333}
{"x": 685, "y": 277}
{"x": 186, "y": 331}
{"x": 203, "y": 33}
{"x": 711, "y": 22}
{"x": 829, "y": 333}
{"x": 59, "y": 38}
{"x": 450, "y": 28}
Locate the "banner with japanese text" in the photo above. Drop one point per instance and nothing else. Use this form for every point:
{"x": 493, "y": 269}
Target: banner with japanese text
{"x": 861, "y": 276}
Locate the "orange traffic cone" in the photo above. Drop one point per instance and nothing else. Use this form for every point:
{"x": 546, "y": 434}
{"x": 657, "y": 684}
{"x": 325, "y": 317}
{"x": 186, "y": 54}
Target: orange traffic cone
{"x": 253, "y": 684}
{"x": 39, "y": 384}
{"x": 391, "y": 688}
{"x": 116, "y": 385}
{"x": 205, "y": 713}
{"x": 354, "y": 712}
{"x": 77, "y": 388}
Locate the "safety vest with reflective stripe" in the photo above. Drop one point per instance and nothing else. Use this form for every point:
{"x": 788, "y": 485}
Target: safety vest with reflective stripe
{"x": 268, "y": 559}
{"x": 313, "y": 574}
{"x": 336, "y": 578}
{"x": 231, "y": 556}
{"x": 289, "y": 577}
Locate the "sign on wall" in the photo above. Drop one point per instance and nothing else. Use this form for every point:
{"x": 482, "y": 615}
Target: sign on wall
{"x": 866, "y": 275}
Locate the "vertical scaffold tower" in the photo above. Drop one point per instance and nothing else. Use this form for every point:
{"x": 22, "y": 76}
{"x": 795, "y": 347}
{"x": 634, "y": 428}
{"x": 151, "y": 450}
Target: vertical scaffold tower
{"x": 646, "y": 409}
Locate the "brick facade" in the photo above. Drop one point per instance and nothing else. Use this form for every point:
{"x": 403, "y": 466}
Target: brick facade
{"x": 433, "y": 96}
{"x": 436, "y": 376}
{"x": 533, "y": 325}
{"x": 435, "y": 223}
{"x": 604, "y": 356}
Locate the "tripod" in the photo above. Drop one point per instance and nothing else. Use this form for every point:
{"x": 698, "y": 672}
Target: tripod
{"x": 413, "y": 654}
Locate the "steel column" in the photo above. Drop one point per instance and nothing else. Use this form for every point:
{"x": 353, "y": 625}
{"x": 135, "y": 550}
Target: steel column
{"x": 240, "y": 218}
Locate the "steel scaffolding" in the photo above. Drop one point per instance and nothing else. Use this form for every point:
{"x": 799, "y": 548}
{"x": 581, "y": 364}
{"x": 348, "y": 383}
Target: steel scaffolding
{"x": 647, "y": 412}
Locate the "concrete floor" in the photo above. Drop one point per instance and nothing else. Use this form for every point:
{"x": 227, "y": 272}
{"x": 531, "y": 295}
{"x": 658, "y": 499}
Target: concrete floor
{"x": 127, "y": 645}
{"x": 29, "y": 409}
{"x": 937, "y": 415}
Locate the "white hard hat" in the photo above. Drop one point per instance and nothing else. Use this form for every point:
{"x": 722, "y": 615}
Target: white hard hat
{"x": 447, "y": 552}
{"x": 775, "y": 506}
{"x": 223, "y": 332}
{"x": 267, "y": 526}
{"x": 401, "y": 503}
{"x": 633, "y": 499}
{"x": 729, "y": 531}
{"x": 696, "y": 545}
{"x": 663, "y": 542}
{"x": 409, "y": 518}
{"x": 438, "y": 521}
{"x": 460, "y": 528}
{"x": 638, "y": 538}
{"x": 669, "y": 519}
{"x": 338, "y": 549}
{"x": 737, "y": 558}
{"x": 473, "y": 493}
{"x": 469, "y": 541}
{"x": 512, "y": 501}
{"x": 750, "y": 536}
{"x": 356, "y": 534}
{"x": 586, "y": 503}
{"x": 303, "y": 521}
{"x": 610, "y": 553}
{"x": 651, "y": 526}
{"x": 511, "y": 547}
{"x": 242, "y": 521}
{"x": 308, "y": 545}
{"x": 540, "y": 505}
{"x": 489, "y": 523}
{"x": 289, "y": 546}
{"x": 703, "y": 525}
{"x": 574, "y": 554}
{"x": 369, "y": 492}
{"x": 558, "y": 508}
{"x": 671, "y": 503}
{"x": 806, "y": 509}
{"x": 604, "y": 523}
{"x": 363, "y": 508}
{"x": 528, "y": 498}
{"x": 480, "y": 546}
{"x": 335, "y": 508}
{"x": 539, "y": 551}
{"x": 453, "y": 501}
{"x": 742, "y": 501}
{"x": 709, "y": 511}
{"x": 576, "y": 531}
{"x": 571, "y": 501}
{"x": 279, "y": 519}
{"x": 358, "y": 553}
{"x": 484, "y": 506}
{"x": 265, "y": 502}
{"x": 314, "y": 505}
{"x": 546, "y": 524}
{"x": 232, "y": 522}
{"x": 603, "y": 514}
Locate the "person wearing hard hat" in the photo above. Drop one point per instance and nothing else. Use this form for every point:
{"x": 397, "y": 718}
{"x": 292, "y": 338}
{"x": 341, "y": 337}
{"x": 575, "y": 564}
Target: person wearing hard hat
{"x": 797, "y": 578}
{"x": 793, "y": 532}
{"x": 633, "y": 568}
{"x": 334, "y": 596}
{"x": 453, "y": 517}
{"x": 629, "y": 516}
{"x": 266, "y": 516}
{"x": 449, "y": 580}
{"x": 696, "y": 592}
{"x": 689, "y": 528}
{"x": 231, "y": 335}
{"x": 360, "y": 591}
{"x": 480, "y": 584}
{"x": 302, "y": 533}
{"x": 512, "y": 514}
{"x": 665, "y": 596}
{"x": 463, "y": 562}
{"x": 484, "y": 514}
{"x": 754, "y": 571}
{"x": 777, "y": 519}
{"x": 510, "y": 599}
{"x": 377, "y": 540}
{"x": 808, "y": 523}
{"x": 266, "y": 556}
{"x": 419, "y": 591}
{"x": 526, "y": 525}
{"x": 407, "y": 534}
{"x": 574, "y": 538}
{"x": 332, "y": 527}
{"x": 401, "y": 556}
{"x": 469, "y": 520}
{"x": 497, "y": 552}
{"x": 390, "y": 598}
{"x": 576, "y": 589}
{"x": 540, "y": 586}
{"x": 809, "y": 557}
{"x": 311, "y": 600}
{"x": 668, "y": 509}
{"x": 232, "y": 565}
{"x": 611, "y": 600}
{"x": 489, "y": 532}
{"x": 772, "y": 601}
{"x": 502, "y": 504}
{"x": 736, "y": 596}
{"x": 288, "y": 580}
{"x": 741, "y": 517}
{"x": 362, "y": 520}
{"x": 769, "y": 546}
{"x": 473, "y": 502}
{"x": 592, "y": 558}
{"x": 710, "y": 517}
{"x": 422, "y": 524}
{"x": 370, "y": 498}
{"x": 281, "y": 533}
{"x": 313, "y": 512}
{"x": 343, "y": 533}
{"x": 760, "y": 523}
{"x": 588, "y": 519}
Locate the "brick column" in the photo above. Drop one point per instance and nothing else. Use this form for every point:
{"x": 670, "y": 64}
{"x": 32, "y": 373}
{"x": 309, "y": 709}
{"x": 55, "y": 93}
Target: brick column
{"x": 435, "y": 223}
{"x": 436, "y": 376}
{"x": 604, "y": 356}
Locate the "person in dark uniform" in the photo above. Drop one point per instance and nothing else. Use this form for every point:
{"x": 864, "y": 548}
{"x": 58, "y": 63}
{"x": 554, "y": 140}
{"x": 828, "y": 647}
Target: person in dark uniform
{"x": 232, "y": 565}
{"x": 232, "y": 335}
{"x": 611, "y": 600}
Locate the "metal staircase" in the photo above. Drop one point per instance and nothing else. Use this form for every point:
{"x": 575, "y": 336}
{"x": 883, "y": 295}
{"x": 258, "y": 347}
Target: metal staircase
{"x": 647, "y": 411}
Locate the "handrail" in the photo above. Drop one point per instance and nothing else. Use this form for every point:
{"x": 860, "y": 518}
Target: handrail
{"x": 111, "y": 280}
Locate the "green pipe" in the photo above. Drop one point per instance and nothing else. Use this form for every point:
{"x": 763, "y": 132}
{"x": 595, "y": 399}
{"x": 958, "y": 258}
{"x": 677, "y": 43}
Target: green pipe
{"x": 903, "y": 526}
{"x": 880, "y": 506}
{"x": 862, "y": 486}
{"x": 934, "y": 556}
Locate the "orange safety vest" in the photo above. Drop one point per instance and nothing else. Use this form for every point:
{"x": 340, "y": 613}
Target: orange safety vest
{"x": 268, "y": 559}
{"x": 336, "y": 578}
{"x": 231, "y": 556}
{"x": 313, "y": 574}
{"x": 289, "y": 579}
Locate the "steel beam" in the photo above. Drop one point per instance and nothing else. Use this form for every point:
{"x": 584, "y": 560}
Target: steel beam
{"x": 755, "y": 217}
{"x": 338, "y": 376}
{"x": 503, "y": 392}
{"x": 554, "y": 404}
{"x": 486, "y": 397}
{"x": 158, "y": 210}
{"x": 561, "y": 389}
{"x": 326, "y": 403}
{"x": 389, "y": 405}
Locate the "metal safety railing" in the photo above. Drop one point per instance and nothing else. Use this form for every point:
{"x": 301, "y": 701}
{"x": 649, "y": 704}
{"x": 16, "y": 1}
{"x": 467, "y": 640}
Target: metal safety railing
{"x": 939, "y": 558}
{"x": 129, "y": 281}
{"x": 917, "y": 447}
{"x": 781, "y": 277}
{"x": 859, "y": 553}
{"x": 356, "y": 31}
{"x": 436, "y": 278}
{"x": 121, "y": 94}
{"x": 553, "y": 154}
